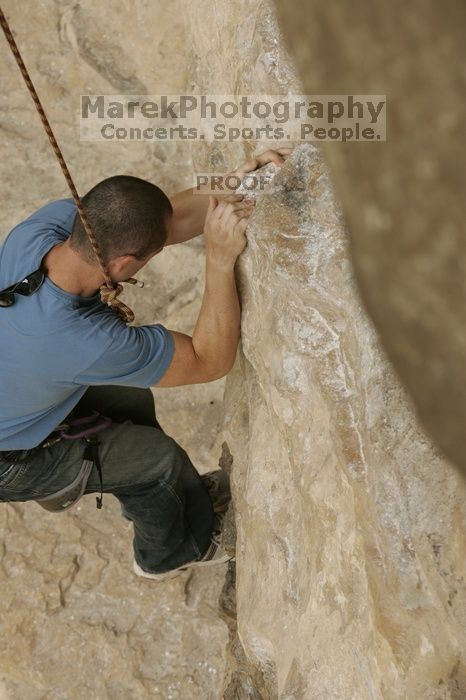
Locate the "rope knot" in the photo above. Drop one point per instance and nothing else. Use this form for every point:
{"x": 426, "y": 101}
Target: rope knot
{"x": 109, "y": 296}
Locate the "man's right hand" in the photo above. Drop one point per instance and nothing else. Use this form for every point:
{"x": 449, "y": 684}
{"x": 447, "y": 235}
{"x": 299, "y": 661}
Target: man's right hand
{"x": 224, "y": 229}
{"x": 211, "y": 352}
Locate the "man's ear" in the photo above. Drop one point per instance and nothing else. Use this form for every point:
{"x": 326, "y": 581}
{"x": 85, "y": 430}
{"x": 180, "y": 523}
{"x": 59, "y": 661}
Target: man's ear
{"x": 117, "y": 265}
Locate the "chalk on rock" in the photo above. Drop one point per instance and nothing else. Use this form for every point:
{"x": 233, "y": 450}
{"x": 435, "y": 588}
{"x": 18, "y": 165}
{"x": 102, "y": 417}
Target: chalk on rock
{"x": 258, "y": 181}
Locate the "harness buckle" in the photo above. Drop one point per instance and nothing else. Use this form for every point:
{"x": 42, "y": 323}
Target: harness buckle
{"x": 85, "y": 428}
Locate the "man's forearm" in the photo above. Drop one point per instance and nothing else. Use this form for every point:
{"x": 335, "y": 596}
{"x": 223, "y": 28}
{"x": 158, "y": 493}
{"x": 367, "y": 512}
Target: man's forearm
{"x": 217, "y": 331}
{"x": 189, "y": 212}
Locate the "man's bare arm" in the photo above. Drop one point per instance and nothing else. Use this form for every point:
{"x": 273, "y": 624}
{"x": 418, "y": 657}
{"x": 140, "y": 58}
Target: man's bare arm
{"x": 211, "y": 352}
{"x": 189, "y": 213}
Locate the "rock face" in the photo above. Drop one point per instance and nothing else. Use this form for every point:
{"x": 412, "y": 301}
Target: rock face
{"x": 403, "y": 200}
{"x": 351, "y": 527}
{"x": 350, "y": 561}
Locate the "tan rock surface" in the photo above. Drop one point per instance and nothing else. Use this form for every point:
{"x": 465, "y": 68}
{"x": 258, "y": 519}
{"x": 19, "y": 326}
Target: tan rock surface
{"x": 351, "y": 527}
{"x": 404, "y": 200}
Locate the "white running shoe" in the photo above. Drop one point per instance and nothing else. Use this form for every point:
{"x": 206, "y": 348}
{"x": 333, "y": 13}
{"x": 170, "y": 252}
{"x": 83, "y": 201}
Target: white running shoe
{"x": 214, "y": 555}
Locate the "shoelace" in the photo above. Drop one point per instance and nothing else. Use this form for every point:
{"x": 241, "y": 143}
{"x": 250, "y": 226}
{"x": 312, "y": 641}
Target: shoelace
{"x": 215, "y": 539}
{"x": 217, "y": 531}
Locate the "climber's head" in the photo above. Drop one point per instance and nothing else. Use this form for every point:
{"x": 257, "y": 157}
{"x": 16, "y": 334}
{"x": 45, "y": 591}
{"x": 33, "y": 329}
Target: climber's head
{"x": 130, "y": 218}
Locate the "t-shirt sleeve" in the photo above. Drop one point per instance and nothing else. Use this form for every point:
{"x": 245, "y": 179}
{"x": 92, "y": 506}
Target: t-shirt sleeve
{"x": 136, "y": 357}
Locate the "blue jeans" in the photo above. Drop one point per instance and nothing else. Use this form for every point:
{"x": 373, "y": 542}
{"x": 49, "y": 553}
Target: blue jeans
{"x": 158, "y": 487}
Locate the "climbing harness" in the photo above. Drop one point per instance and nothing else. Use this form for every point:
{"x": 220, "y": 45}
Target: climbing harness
{"x": 85, "y": 428}
{"x": 109, "y": 291}
{"x": 69, "y": 495}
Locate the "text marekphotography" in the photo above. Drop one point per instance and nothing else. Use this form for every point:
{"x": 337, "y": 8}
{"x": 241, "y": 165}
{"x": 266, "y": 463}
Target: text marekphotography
{"x": 233, "y": 118}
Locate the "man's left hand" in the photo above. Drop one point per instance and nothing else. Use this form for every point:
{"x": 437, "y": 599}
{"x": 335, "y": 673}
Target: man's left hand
{"x": 277, "y": 157}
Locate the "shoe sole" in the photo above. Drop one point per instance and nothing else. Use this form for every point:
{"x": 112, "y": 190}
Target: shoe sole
{"x": 167, "y": 575}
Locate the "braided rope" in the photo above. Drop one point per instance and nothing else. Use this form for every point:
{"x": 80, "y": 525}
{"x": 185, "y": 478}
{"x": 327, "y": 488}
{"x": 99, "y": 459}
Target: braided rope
{"x": 108, "y": 291}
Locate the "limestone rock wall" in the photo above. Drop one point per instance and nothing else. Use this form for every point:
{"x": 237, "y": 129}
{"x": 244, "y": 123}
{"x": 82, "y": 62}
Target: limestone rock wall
{"x": 351, "y": 528}
{"x": 350, "y": 573}
{"x": 404, "y": 199}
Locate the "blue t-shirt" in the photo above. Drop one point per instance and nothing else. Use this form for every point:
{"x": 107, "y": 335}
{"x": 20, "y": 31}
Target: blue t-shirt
{"x": 54, "y": 345}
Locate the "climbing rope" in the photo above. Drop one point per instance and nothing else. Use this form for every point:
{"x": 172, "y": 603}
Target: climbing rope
{"x": 109, "y": 292}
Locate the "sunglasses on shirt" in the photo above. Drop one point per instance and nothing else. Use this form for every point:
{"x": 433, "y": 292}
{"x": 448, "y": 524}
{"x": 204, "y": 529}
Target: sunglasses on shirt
{"x": 29, "y": 285}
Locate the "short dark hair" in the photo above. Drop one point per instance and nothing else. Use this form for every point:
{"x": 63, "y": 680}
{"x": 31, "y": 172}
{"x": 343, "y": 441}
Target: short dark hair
{"x": 128, "y": 216}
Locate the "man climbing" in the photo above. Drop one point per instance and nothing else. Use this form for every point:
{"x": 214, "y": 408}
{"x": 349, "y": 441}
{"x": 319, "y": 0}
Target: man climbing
{"x": 68, "y": 360}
